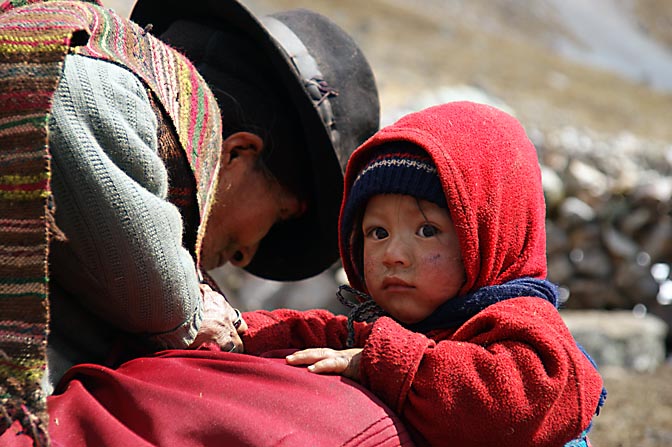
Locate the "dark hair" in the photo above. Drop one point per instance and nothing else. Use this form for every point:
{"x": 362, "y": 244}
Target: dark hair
{"x": 250, "y": 97}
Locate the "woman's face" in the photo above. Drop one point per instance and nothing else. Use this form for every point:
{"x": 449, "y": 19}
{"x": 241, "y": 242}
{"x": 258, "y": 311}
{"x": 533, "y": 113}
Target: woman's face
{"x": 412, "y": 257}
{"x": 248, "y": 203}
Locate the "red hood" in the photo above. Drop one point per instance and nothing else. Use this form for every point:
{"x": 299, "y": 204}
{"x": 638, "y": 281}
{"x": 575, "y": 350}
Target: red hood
{"x": 492, "y": 181}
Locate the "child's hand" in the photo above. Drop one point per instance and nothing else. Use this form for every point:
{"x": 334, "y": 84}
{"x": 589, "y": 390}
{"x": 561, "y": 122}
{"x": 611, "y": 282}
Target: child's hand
{"x": 325, "y": 360}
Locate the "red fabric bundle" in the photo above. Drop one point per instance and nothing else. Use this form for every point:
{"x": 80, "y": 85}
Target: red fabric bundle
{"x": 198, "y": 398}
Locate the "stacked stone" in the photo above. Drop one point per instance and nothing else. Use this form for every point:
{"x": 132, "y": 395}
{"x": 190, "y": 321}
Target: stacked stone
{"x": 609, "y": 223}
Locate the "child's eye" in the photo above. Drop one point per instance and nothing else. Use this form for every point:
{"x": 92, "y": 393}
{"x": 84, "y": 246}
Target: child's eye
{"x": 378, "y": 233}
{"x": 427, "y": 230}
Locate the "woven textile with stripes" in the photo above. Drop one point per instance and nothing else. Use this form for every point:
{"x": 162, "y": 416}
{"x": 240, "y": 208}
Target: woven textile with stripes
{"x": 35, "y": 37}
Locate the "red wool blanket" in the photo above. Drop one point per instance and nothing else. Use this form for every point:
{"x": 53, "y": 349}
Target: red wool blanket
{"x": 218, "y": 398}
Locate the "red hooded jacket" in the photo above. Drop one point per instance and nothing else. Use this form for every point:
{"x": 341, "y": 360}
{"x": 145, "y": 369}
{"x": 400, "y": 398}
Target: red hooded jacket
{"x": 511, "y": 375}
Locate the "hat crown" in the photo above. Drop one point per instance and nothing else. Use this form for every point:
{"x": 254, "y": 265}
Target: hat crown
{"x": 335, "y": 74}
{"x": 342, "y": 87}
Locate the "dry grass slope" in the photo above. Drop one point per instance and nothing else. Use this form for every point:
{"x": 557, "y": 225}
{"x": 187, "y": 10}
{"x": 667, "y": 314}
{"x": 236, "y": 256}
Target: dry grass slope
{"x": 414, "y": 50}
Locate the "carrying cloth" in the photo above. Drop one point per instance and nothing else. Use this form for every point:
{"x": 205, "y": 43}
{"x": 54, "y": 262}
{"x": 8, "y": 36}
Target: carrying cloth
{"x": 35, "y": 37}
{"x": 193, "y": 398}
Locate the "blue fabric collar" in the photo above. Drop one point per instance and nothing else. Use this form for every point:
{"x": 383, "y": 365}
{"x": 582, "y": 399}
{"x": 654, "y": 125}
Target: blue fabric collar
{"x": 458, "y": 310}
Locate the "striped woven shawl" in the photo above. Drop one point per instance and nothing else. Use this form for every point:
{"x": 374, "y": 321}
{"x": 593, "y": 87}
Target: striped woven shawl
{"x": 35, "y": 37}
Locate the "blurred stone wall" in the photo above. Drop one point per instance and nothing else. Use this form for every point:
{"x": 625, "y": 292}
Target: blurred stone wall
{"x": 608, "y": 241}
{"x": 609, "y": 225}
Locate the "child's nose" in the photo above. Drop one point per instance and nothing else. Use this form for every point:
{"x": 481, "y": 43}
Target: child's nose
{"x": 397, "y": 252}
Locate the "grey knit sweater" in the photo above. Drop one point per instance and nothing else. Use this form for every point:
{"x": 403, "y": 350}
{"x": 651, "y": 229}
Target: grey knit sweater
{"x": 123, "y": 268}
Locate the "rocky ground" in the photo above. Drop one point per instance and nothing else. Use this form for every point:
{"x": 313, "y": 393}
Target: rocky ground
{"x": 504, "y": 49}
{"x": 638, "y": 410}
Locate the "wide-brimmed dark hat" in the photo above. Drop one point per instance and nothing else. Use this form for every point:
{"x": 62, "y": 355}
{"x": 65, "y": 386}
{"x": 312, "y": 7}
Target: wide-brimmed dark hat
{"x": 333, "y": 90}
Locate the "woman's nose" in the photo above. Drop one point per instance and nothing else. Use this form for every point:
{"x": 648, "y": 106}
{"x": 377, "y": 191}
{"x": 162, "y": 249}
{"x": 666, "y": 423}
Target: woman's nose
{"x": 243, "y": 256}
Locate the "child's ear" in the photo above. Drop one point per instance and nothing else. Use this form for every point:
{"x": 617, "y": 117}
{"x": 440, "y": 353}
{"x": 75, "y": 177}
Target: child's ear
{"x": 240, "y": 144}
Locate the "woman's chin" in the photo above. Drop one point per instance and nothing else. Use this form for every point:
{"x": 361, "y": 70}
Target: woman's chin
{"x": 212, "y": 262}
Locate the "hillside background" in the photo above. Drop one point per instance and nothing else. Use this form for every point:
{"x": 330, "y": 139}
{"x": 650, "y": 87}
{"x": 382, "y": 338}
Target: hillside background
{"x": 601, "y": 68}
{"x": 603, "y": 64}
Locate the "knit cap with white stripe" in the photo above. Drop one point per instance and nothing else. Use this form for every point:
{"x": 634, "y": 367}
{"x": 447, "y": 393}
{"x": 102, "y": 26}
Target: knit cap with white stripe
{"x": 399, "y": 168}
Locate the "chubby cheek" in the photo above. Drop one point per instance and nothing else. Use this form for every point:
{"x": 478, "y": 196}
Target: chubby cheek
{"x": 371, "y": 271}
{"x": 442, "y": 271}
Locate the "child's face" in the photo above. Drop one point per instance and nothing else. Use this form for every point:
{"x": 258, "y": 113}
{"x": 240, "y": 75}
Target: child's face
{"x": 412, "y": 258}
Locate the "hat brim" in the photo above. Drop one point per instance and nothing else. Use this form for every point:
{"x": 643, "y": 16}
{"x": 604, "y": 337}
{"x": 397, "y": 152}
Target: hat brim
{"x": 299, "y": 248}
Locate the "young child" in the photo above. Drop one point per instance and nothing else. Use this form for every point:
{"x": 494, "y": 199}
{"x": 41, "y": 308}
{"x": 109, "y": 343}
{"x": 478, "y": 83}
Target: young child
{"x": 442, "y": 237}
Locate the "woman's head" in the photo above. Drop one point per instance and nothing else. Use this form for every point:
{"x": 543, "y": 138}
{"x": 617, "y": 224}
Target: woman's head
{"x": 301, "y": 84}
{"x": 491, "y": 180}
{"x": 249, "y": 202}
{"x": 263, "y": 176}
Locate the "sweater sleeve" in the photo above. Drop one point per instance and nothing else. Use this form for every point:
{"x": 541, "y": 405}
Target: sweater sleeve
{"x": 123, "y": 259}
{"x": 293, "y": 329}
{"x": 512, "y": 375}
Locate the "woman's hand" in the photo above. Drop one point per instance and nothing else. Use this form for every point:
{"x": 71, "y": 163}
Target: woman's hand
{"x": 325, "y": 361}
{"x": 221, "y": 323}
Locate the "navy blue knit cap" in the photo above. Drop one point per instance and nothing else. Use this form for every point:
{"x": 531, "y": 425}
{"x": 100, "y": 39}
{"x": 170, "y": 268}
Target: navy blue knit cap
{"x": 398, "y": 168}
